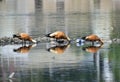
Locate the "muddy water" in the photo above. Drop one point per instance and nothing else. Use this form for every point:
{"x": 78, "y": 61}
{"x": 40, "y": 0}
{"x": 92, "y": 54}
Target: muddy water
{"x": 34, "y": 63}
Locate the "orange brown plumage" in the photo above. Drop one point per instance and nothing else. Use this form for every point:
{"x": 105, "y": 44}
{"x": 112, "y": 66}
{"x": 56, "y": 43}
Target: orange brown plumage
{"x": 24, "y": 37}
{"x": 92, "y": 38}
{"x": 58, "y": 35}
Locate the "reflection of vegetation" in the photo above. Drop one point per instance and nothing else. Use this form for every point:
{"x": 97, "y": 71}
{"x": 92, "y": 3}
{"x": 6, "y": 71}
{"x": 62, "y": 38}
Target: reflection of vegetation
{"x": 114, "y": 56}
{"x": 114, "y": 52}
{"x": 116, "y": 25}
{"x": 73, "y": 74}
{"x": 77, "y": 50}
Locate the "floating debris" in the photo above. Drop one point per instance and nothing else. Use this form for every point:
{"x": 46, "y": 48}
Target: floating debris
{"x": 116, "y": 40}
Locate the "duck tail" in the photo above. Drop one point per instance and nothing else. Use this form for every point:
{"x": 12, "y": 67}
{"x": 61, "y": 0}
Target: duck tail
{"x": 34, "y": 41}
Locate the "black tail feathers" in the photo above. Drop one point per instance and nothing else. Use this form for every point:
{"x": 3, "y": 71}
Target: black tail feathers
{"x": 84, "y": 38}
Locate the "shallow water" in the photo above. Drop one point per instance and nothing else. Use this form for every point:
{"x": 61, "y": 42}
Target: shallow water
{"x": 34, "y": 63}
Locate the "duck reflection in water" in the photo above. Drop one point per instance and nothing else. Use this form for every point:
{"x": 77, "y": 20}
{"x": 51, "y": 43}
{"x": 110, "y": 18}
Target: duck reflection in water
{"x": 95, "y": 52}
{"x": 92, "y": 49}
{"x": 24, "y": 49}
{"x": 58, "y": 49}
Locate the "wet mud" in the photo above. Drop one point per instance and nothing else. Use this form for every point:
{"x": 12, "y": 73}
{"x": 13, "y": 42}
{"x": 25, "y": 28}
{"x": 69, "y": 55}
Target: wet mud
{"x": 12, "y": 41}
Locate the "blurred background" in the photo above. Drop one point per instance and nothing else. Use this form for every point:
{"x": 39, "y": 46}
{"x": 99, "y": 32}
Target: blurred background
{"x": 76, "y": 18}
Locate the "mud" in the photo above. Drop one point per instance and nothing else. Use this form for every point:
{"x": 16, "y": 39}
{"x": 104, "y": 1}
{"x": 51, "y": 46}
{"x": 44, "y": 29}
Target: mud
{"x": 12, "y": 41}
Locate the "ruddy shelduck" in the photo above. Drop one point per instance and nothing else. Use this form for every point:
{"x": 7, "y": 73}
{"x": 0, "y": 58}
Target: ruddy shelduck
{"x": 93, "y": 38}
{"x": 58, "y": 35}
{"x": 24, "y": 37}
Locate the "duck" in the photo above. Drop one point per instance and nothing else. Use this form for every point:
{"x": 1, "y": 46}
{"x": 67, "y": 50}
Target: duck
{"x": 24, "y": 37}
{"x": 58, "y": 35}
{"x": 93, "y": 38}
